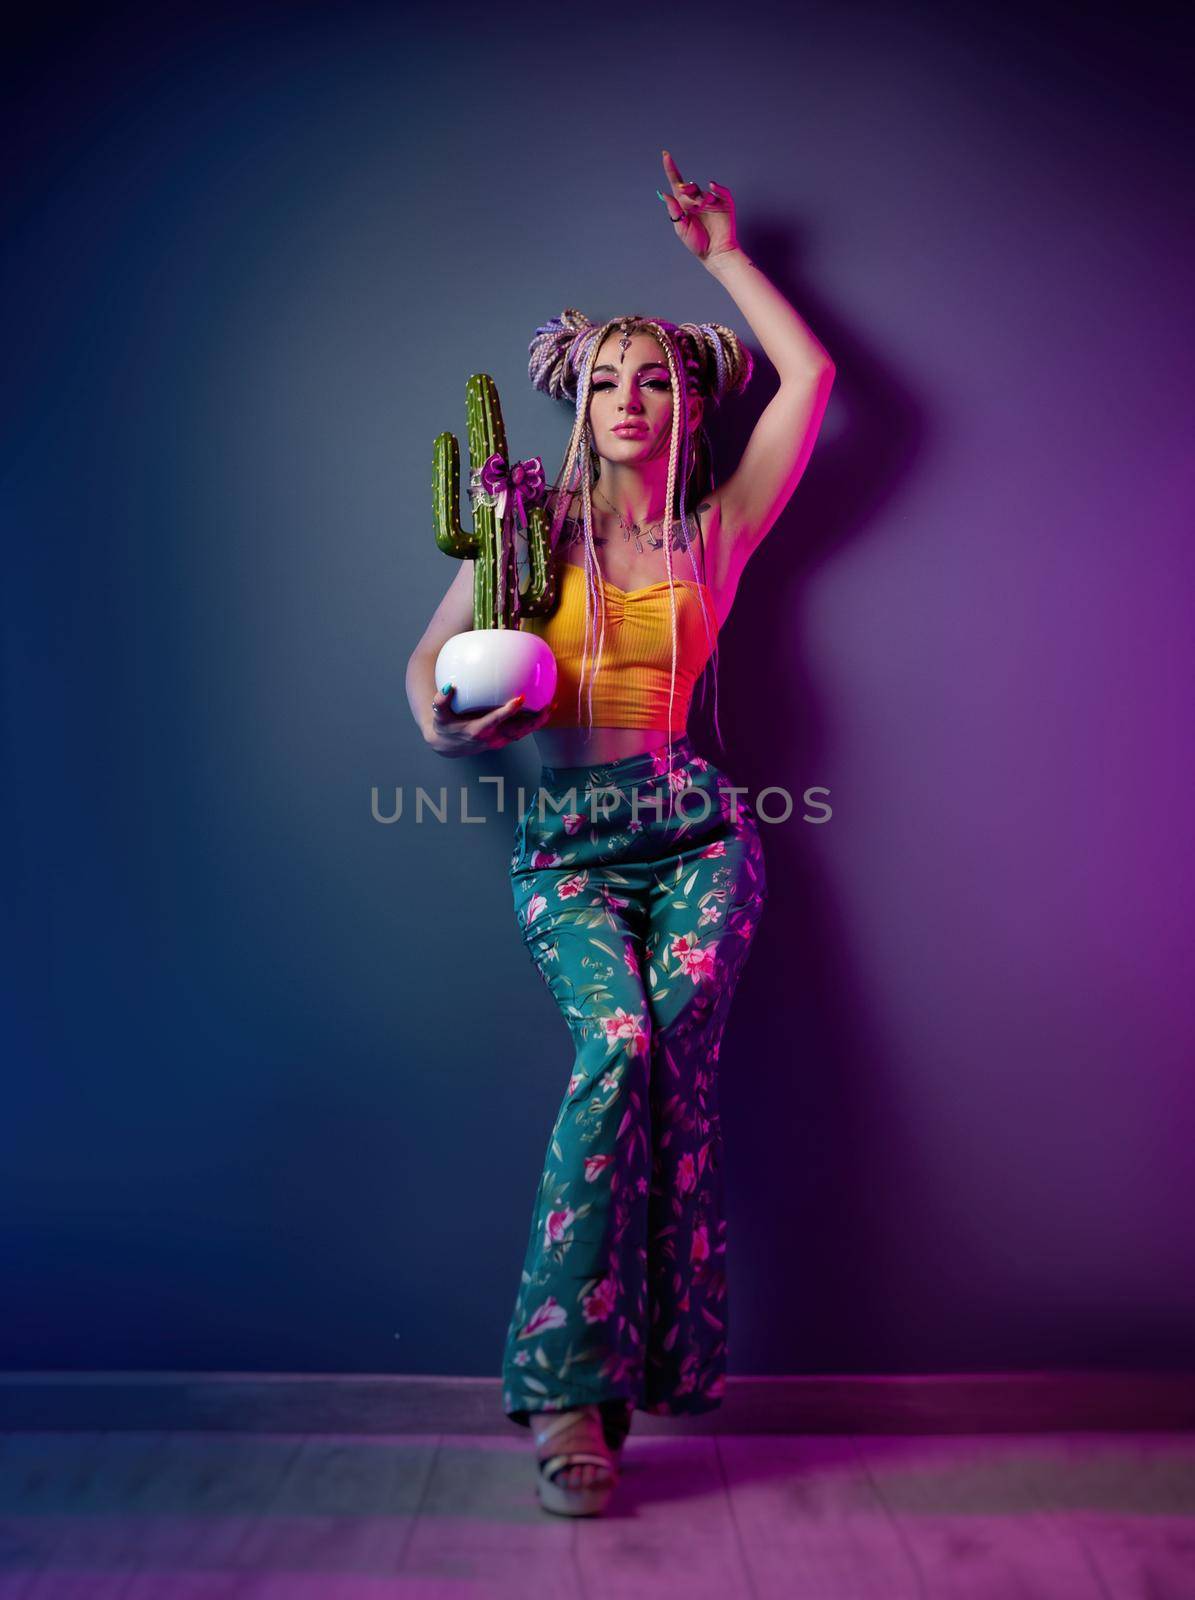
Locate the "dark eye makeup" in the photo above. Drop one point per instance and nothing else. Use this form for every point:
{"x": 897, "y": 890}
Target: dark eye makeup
{"x": 652, "y": 383}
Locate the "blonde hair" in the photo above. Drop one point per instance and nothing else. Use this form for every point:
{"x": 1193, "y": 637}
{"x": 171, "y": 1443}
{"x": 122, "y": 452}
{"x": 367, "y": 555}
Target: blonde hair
{"x": 704, "y": 359}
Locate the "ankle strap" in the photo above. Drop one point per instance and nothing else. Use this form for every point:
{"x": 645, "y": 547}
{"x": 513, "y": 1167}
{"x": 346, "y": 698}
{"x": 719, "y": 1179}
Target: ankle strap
{"x": 547, "y": 1424}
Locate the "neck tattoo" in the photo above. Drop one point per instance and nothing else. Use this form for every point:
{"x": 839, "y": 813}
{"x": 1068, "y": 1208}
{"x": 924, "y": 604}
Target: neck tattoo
{"x": 647, "y": 536}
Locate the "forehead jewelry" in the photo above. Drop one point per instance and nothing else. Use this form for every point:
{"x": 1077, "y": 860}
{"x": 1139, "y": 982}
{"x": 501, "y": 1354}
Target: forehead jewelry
{"x": 623, "y": 342}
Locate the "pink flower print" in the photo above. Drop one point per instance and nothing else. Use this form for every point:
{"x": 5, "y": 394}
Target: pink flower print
{"x": 572, "y": 821}
{"x": 521, "y": 1358}
{"x": 718, "y": 848}
{"x": 571, "y": 886}
{"x": 700, "y": 763}
{"x": 659, "y": 763}
{"x": 558, "y": 1224}
{"x": 624, "y": 1026}
{"x": 697, "y": 961}
{"x": 631, "y": 959}
{"x": 598, "y": 1305}
{"x": 550, "y": 1315}
{"x": 710, "y": 913}
{"x": 686, "y": 1174}
{"x": 574, "y": 1081}
{"x": 545, "y": 858}
{"x": 534, "y": 906}
{"x": 595, "y": 1166}
{"x": 617, "y": 1367}
{"x": 641, "y": 1185}
{"x": 679, "y": 779}
{"x": 609, "y": 899}
{"x": 634, "y": 825}
{"x": 700, "y": 1250}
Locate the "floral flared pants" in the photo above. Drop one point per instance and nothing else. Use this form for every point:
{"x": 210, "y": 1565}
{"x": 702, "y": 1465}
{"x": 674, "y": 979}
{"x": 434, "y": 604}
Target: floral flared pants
{"x": 639, "y": 923}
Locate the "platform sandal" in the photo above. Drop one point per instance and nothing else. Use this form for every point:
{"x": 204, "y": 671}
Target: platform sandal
{"x": 593, "y": 1450}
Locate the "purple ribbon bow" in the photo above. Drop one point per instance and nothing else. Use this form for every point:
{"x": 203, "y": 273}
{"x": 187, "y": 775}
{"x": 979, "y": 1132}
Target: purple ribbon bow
{"x": 524, "y": 482}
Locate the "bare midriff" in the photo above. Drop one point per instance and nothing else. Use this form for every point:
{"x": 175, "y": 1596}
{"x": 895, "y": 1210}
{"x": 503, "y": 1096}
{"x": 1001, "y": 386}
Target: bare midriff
{"x": 579, "y": 747}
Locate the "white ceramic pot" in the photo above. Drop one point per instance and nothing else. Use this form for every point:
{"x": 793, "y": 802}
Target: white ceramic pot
{"x": 489, "y": 665}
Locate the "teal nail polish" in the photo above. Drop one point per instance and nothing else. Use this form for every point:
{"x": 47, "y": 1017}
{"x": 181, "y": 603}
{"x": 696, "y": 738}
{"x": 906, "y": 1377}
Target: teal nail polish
{"x": 661, "y": 197}
{"x": 445, "y": 688}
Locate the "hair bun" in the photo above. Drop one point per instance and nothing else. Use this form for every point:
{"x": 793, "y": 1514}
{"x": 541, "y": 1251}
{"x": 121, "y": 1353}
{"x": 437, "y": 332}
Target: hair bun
{"x": 717, "y": 362}
{"x": 552, "y": 352}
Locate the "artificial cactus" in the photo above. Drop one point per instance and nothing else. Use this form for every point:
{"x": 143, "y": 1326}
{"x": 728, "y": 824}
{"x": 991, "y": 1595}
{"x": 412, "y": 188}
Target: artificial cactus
{"x": 497, "y": 599}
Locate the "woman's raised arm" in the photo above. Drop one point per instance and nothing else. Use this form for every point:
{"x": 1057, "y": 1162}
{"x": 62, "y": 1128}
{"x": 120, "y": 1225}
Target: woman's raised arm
{"x": 754, "y": 495}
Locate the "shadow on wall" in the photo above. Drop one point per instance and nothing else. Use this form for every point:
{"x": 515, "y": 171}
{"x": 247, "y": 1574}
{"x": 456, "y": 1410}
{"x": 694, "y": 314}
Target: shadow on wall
{"x": 799, "y": 1036}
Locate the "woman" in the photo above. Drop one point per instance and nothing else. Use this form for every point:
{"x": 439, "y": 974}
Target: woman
{"x": 637, "y": 871}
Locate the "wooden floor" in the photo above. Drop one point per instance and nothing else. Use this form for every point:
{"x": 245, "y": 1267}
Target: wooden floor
{"x": 168, "y": 1516}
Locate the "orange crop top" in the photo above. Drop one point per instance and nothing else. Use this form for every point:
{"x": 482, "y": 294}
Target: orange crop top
{"x": 630, "y": 687}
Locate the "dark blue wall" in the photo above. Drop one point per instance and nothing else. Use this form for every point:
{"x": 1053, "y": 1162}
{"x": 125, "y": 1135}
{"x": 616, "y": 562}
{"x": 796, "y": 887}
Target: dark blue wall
{"x": 278, "y": 1078}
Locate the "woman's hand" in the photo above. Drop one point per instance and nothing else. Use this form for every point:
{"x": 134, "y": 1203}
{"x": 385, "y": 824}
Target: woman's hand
{"x": 470, "y": 733}
{"x": 705, "y": 221}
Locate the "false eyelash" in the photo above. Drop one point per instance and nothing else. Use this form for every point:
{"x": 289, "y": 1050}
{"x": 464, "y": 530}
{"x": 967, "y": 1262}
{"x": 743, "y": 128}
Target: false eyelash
{"x": 652, "y": 383}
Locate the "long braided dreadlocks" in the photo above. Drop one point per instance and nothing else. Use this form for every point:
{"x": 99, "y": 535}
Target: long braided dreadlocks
{"x": 702, "y": 358}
